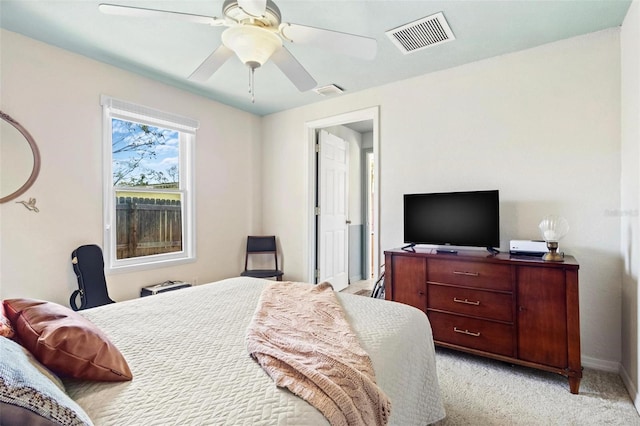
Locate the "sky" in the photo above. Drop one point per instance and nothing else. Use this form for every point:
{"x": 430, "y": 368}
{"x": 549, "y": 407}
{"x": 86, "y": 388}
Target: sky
{"x": 156, "y": 157}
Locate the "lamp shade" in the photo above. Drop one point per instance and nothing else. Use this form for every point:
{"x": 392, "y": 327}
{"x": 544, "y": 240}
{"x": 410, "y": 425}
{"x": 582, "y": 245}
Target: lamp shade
{"x": 253, "y": 45}
{"x": 553, "y": 228}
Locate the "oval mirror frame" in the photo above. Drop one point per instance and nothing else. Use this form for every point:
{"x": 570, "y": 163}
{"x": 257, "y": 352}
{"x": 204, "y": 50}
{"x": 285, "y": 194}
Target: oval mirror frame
{"x": 36, "y": 159}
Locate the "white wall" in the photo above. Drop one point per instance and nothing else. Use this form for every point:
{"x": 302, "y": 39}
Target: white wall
{"x": 55, "y": 95}
{"x": 367, "y": 140}
{"x": 542, "y": 126}
{"x": 630, "y": 195}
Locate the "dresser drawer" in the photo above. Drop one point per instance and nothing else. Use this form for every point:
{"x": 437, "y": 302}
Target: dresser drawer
{"x": 472, "y": 274}
{"x": 479, "y": 303}
{"x": 473, "y": 333}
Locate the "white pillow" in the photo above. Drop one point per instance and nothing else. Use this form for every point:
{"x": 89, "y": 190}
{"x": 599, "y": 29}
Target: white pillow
{"x": 30, "y": 394}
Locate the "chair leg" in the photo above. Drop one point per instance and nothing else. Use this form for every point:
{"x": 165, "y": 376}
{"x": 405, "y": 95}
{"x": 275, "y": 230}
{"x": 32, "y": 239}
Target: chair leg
{"x": 279, "y": 278}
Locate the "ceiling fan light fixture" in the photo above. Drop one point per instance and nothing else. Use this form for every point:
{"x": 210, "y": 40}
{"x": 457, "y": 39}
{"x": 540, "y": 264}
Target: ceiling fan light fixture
{"x": 253, "y": 45}
{"x": 256, "y": 35}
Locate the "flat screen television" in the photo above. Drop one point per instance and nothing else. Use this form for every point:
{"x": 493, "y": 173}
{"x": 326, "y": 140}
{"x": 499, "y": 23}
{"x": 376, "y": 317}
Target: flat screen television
{"x": 470, "y": 219}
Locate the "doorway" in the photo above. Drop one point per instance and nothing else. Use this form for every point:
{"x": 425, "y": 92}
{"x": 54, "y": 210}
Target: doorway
{"x": 369, "y": 190}
{"x": 369, "y": 211}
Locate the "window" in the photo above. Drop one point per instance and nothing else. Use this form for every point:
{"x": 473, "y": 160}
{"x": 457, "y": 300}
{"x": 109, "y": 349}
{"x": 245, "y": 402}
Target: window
{"x": 149, "y": 186}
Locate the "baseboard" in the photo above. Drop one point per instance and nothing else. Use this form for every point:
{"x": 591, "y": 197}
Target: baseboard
{"x": 601, "y": 364}
{"x": 631, "y": 388}
{"x": 355, "y": 279}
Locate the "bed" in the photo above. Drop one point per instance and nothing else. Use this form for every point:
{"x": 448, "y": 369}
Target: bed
{"x": 186, "y": 351}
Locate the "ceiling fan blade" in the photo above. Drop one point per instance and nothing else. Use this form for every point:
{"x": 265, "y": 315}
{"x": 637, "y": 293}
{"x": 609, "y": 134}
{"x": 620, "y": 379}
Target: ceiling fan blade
{"x": 140, "y": 12}
{"x": 211, "y": 64}
{"x": 253, "y": 7}
{"x": 344, "y": 43}
{"x": 293, "y": 70}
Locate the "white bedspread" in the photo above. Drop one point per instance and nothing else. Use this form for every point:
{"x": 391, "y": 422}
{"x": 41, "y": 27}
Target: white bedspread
{"x": 186, "y": 350}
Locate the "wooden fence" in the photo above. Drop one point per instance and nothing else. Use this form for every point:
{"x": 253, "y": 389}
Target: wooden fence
{"x": 146, "y": 226}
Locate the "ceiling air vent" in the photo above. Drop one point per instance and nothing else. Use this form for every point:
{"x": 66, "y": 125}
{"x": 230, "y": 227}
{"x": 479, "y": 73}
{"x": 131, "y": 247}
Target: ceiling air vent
{"x": 329, "y": 90}
{"x": 420, "y": 34}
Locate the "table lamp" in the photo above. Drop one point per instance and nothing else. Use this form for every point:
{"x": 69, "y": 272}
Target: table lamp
{"x": 553, "y": 229}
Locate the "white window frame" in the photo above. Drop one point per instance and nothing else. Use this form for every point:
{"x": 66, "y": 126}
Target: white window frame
{"x": 115, "y": 108}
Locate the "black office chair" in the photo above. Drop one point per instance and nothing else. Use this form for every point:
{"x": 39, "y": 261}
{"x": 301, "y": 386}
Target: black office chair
{"x": 262, "y": 245}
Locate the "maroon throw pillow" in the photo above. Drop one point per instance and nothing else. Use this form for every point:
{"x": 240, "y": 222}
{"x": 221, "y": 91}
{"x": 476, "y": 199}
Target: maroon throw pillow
{"x": 65, "y": 341}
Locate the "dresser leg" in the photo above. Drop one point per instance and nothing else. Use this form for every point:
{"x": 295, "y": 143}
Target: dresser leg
{"x": 574, "y": 384}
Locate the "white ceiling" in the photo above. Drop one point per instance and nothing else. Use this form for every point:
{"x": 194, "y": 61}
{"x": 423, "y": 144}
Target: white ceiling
{"x": 169, "y": 50}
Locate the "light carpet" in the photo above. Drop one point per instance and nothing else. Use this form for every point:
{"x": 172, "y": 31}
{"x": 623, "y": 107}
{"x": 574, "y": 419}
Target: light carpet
{"x": 479, "y": 391}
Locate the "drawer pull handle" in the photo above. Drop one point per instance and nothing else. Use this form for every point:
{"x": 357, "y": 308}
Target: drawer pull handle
{"x": 469, "y": 274}
{"x": 466, "y": 301}
{"x": 467, "y": 332}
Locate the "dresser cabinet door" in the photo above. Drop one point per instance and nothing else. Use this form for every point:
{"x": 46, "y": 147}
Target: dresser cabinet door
{"x": 542, "y": 316}
{"x": 410, "y": 281}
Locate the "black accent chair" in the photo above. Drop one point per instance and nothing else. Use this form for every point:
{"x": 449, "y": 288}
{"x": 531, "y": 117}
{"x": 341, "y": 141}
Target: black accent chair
{"x": 88, "y": 264}
{"x": 262, "y": 245}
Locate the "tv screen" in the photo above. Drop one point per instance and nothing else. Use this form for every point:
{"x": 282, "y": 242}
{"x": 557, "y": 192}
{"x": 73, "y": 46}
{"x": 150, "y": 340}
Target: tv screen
{"x": 453, "y": 218}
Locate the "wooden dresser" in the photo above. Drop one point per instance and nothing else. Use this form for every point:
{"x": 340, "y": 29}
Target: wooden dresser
{"x": 520, "y": 310}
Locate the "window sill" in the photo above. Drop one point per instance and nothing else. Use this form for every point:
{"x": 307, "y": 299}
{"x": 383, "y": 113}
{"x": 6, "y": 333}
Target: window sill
{"x": 149, "y": 265}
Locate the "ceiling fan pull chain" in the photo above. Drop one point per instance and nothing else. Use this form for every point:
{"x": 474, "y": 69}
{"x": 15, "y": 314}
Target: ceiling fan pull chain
{"x": 251, "y": 85}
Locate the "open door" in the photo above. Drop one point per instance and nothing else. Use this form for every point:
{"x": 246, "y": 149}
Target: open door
{"x": 370, "y": 116}
{"x": 332, "y": 214}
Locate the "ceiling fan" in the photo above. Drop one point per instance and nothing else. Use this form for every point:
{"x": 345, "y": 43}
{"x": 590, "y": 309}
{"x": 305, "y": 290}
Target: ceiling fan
{"x": 256, "y": 34}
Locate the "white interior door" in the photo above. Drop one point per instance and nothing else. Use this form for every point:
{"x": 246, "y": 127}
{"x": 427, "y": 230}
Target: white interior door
{"x": 333, "y": 241}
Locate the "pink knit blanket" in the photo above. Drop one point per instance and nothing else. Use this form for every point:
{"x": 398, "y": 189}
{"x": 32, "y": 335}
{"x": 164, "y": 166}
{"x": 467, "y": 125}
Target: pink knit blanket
{"x": 301, "y": 338}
